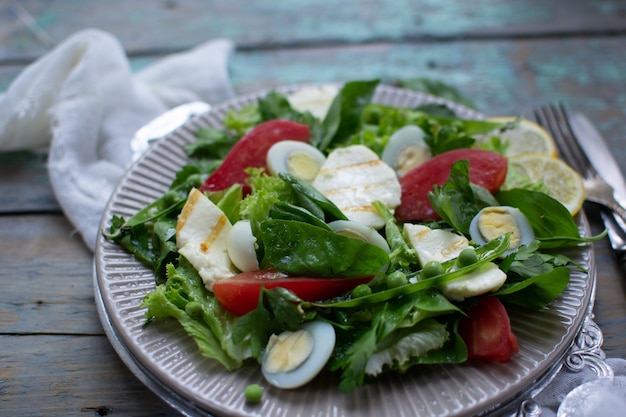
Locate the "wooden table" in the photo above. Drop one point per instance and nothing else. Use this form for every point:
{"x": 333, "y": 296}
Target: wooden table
{"x": 508, "y": 56}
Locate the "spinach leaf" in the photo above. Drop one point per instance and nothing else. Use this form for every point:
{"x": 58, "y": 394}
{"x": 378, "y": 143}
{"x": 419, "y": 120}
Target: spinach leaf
{"x": 486, "y": 253}
{"x": 313, "y": 200}
{"x": 344, "y": 114}
{"x": 297, "y": 248}
{"x": 552, "y": 223}
{"x": 287, "y": 211}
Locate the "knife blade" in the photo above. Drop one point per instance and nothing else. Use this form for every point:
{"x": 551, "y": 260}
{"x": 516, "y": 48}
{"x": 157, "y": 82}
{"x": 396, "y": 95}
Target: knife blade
{"x": 616, "y": 228}
{"x": 599, "y": 155}
{"x": 164, "y": 124}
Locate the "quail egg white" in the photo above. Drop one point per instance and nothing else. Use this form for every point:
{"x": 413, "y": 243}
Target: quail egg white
{"x": 291, "y": 359}
{"x": 360, "y": 231}
{"x": 299, "y": 159}
{"x": 241, "y": 245}
{"x": 363, "y": 232}
{"x": 493, "y": 222}
{"x": 406, "y": 149}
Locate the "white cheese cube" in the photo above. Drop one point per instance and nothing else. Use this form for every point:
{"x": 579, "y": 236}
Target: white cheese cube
{"x": 434, "y": 244}
{"x": 201, "y": 237}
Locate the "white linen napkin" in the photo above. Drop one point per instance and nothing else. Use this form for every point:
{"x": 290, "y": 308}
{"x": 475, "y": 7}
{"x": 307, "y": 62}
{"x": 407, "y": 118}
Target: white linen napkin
{"x": 83, "y": 101}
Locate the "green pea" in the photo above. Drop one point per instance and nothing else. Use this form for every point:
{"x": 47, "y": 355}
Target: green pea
{"x": 170, "y": 197}
{"x": 432, "y": 269}
{"x": 467, "y": 257}
{"x": 253, "y": 393}
{"x": 396, "y": 279}
{"x": 195, "y": 180}
{"x": 361, "y": 290}
{"x": 193, "y": 308}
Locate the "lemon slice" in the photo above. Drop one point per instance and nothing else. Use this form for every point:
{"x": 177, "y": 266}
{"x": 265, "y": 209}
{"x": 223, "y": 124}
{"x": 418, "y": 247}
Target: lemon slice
{"x": 526, "y": 137}
{"x": 562, "y": 182}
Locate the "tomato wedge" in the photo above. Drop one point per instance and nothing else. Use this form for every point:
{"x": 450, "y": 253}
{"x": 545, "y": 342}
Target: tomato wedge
{"x": 486, "y": 169}
{"x": 251, "y": 151}
{"x": 240, "y": 294}
{"x": 487, "y": 332}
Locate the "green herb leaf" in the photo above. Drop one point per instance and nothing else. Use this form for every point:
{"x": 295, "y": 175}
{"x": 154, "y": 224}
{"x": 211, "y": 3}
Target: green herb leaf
{"x": 297, "y": 248}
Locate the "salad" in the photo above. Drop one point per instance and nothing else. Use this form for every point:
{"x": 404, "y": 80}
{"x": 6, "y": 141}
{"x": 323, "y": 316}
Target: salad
{"x": 357, "y": 238}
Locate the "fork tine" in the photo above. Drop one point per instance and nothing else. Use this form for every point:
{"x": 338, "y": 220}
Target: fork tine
{"x": 555, "y": 120}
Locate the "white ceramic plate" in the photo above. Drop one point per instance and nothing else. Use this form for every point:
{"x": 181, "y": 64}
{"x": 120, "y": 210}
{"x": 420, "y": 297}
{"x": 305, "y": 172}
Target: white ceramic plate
{"x": 168, "y": 361}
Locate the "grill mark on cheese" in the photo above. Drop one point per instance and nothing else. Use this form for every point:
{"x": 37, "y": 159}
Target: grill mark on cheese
{"x": 214, "y": 234}
{"x": 362, "y": 164}
{"x": 359, "y": 209}
{"x": 187, "y": 209}
{"x": 355, "y": 188}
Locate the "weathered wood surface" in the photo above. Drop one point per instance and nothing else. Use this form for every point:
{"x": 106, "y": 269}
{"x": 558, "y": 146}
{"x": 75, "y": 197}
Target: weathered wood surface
{"x": 511, "y": 77}
{"x": 169, "y": 25}
{"x": 507, "y": 56}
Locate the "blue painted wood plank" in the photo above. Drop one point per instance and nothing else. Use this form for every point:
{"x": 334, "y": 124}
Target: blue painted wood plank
{"x": 30, "y": 26}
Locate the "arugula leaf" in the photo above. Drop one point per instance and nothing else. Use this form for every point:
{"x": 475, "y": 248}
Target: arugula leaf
{"x": 402, "y": 255}
{"x": 398, "y": 332}
{"x": 276, "y": 311}
{"x": 455, "y": 201}
{"x": 211, "y": 143}
{"x": 297, "y": 248}
{"x": 275, "y": 105}
{"x": 537, "y": 291}
{"x": 436, "y": 88}
{"x": 164, "y": 246}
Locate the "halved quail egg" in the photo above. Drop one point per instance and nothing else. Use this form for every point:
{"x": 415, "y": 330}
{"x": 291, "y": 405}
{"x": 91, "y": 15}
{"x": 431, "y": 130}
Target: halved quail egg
{"x": 241, "y": 246}
{"x": 493, "y": 222}
{"x": 360, "y": 231}
{"x": 299, "y": 159}
{"x": 291, "y": 359}
{"x": 406, "y": 149}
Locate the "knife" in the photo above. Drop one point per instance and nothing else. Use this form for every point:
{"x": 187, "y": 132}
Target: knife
{"x": 599, "y": 155}
{"x": 164, "y": 124}
{"x": 602, "y": 160}
{"x": 616, "y": 228}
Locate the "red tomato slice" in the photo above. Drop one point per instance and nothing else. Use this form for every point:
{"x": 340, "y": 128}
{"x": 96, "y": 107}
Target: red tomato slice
{"x": 486, "y": 169}
{"x": 487, "y": 332}
{"x": 240, "y": 294}
{"x": 251, "y": 151}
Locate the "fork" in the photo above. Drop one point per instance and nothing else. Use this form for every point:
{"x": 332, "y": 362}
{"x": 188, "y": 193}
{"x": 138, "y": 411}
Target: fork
{"x": 555, "y": 120}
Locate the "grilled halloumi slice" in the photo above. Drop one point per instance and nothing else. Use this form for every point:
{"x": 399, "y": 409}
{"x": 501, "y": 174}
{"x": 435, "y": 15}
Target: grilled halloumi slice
{"x": 201, "y": 236}
{"x": 434, "y": 244}
{"x": 353, "y": 178}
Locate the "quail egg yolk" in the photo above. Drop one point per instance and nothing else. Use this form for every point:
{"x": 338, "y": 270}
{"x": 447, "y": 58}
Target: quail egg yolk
{"x": 493, "y": 222}
{"x": 288, "y": 350}
{"x": 302, "y": 165}
{"x": 496, "y": 222}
